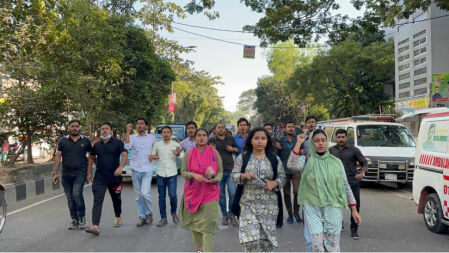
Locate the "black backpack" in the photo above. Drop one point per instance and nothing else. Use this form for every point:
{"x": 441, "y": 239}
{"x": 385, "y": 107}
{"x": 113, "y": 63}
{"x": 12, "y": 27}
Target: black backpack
{"x": 239, "y": 192}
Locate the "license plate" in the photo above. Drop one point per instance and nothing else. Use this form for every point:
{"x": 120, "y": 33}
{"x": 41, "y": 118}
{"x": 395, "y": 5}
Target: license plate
{"x": 392, "y": 177}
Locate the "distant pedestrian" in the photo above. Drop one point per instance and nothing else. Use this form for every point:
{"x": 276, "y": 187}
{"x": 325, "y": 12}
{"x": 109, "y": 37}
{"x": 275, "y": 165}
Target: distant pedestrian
{"x": 140, "y": 146}
{"x": 311, "y": 123}
{"x": 324, "y": 193}
{"x": 106, "y": 155}
{"x": 165, "y": 153}
{"x": 226, "y": 147}
{"x": 76, "y": 171}
{"x": 202, "y": 168}
{"x": 240, "y": 137}
{"x": 260, "y": 175}
{"x": 350, "y": 155}
{"x": 189, "y": 143}
{"x": 5, "y": 150}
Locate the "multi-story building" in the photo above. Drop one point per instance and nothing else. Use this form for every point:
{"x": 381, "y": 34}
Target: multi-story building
{"x": 421, "y": 49}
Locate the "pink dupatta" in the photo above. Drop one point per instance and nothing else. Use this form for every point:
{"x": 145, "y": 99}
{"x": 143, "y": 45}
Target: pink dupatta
{"x": 196, "y": 193}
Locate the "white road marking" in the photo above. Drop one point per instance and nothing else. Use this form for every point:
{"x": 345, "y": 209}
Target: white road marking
{"x": 38, "y": 203}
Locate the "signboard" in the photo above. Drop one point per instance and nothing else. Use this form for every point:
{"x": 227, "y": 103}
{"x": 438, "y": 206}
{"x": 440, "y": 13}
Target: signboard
{"x": 412, "y": 104}
{"x": 249, "y": 52}
{"x": 440, "y": 90}
{"x": 171, "y": 107}
{"x": 172, "y": 98}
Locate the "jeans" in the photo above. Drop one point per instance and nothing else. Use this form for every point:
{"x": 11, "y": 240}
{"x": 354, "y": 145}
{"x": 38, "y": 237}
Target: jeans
{"x": 73, "y": 184}
{"x": 227, "y": 182}
{"x": 356, "y": 191}
{"x": 100, "y": 184}
{"x": 162, "y": 184}
{"x": 142, "y": 188}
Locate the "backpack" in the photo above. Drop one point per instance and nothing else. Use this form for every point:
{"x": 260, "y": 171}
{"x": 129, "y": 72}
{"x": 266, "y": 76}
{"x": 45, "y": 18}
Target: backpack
{"x": 239, "y": 191}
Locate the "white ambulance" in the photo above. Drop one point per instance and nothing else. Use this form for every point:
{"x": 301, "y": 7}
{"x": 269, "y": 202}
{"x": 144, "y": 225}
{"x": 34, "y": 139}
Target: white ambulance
{"x": 431, "y": 180}
{"x": 388, "y": 146}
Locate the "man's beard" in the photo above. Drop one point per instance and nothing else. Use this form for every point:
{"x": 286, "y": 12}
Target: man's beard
{"x": 75, "y": 134}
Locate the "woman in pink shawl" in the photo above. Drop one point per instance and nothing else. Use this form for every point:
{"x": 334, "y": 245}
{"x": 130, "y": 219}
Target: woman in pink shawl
{"x": 202, "y": 168}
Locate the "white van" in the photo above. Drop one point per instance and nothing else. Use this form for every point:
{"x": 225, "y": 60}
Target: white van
{"x": 388, "y": 147}
{"x": 431, "y": 183}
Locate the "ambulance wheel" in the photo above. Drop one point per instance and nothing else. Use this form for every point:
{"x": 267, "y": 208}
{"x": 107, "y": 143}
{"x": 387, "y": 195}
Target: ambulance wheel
{"x": 433, "y": 215}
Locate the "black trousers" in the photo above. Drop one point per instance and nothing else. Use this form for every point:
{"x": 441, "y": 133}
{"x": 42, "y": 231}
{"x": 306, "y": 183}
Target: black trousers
{"x": 100, "y": 184}
{"x": 356, "y": 191}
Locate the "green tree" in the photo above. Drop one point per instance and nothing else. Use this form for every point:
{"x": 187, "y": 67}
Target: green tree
{"x": 348, "y": 78}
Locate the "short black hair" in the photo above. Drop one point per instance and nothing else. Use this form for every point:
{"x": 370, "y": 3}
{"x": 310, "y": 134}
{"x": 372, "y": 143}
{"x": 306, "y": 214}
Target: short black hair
{"x": 241, "y": 120}
{"x": 191, "y": 123}
{"x": 73, "y": 121}
{"x": 166, "y": 127}
{"x": 290, "y": 122}
{"x": 201, "y": 129}
{"x": 268, "y": 124}
{"x": 311, "y": 117}
{"x": 144, "y": 120}
{"x": 218, "y": 123}
{"x": 106, "y": 123}
{"x": 341, "y": 131}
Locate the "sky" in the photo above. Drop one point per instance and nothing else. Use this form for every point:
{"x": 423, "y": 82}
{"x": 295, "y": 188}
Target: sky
{"x": 226, "y": 60}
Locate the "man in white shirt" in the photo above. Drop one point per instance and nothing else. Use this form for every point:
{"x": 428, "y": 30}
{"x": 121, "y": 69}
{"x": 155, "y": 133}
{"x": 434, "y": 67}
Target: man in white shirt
{"x": 165, "y": 153}
{"x": 141, "y": 145}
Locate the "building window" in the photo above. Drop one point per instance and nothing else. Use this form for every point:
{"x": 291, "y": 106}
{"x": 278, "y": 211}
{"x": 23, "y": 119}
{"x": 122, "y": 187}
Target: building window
{"x": 420, "y": 71}
{"x": 419, "y": 51}
{"x": 404, "y": 76}
{"x": 404, "y": 85}
{"x": 420, "y": 91}
{"x": 403, "y": 42}
{"x": 404, "y": 66}
{"x": 403, "y": 49}
{"x": 403, "y": 58}
{"x": 420, "y": 61}
{"x": 419, "y": 34}
{"x": 421, "y": 41}
{"x": 420, "y": 81}
{"x": 404, "y": 94}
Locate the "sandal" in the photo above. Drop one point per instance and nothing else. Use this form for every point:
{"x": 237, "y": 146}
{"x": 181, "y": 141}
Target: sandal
{"x": 93, "y": 231}
{"x": 117, "y": 223}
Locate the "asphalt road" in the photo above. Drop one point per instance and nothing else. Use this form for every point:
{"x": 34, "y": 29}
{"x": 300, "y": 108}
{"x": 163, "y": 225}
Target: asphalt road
{"x": 390, "y": 223}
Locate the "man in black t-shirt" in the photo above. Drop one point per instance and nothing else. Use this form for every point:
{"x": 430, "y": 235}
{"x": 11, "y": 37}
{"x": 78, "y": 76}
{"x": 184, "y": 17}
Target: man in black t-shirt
{"x": 76, "y": 170}
{"x": 106, "y": 154}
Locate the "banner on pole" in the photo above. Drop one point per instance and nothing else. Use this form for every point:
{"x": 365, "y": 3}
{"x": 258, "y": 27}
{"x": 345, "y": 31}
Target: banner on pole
{"x": 249, "y": 52}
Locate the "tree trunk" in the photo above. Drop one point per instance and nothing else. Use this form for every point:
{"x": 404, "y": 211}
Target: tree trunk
{"x": 29, "y": 150}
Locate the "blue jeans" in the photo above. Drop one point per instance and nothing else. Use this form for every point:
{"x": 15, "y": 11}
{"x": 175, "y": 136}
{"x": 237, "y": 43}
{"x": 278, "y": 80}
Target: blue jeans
{"x": 73, "y": 183}
{"x": 162, "y": 184}
{"x": 142, "y": 188}
{"x": 226, "y": 181}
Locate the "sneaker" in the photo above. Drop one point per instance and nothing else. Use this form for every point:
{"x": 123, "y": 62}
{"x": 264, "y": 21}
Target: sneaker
{"x": 149, "y": 219}
{"x": 74, "y": 225}
{"x": 290, "y": 220}
{"x": 233, "y": 220}
{"x": 82, "y": 223}
{"x": 162, "y": 222}
{"x": 92, "y": 230}
{"x": 342, "y": 227}
{"x": 278, "y": 225}
{"x": 354, "y": 235}
{"x": 175, "y": 218}
{"x": 140, "y": 222}
{"x": 298, "y": 218}
{"x": 225, "y": 221}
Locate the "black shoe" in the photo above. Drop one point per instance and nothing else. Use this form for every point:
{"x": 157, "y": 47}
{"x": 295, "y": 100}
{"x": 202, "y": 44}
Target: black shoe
{"x": 354, "y": 235}
{"x": 175, "y": 218}
{"x": 74, "y": 225}
{"x": 342, "y": 227}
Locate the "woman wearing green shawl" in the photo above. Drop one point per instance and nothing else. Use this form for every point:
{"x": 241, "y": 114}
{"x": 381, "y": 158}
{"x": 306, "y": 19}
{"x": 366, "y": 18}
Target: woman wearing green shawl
{"x": 323, "y": 192}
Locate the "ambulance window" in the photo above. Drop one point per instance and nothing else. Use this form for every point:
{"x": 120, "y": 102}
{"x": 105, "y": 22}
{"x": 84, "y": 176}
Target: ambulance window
{"x": 435, "y": 137}
{"x": 350, "y": 131}
{"x": 329, "y": 131}
{"x": 334, "y": 137}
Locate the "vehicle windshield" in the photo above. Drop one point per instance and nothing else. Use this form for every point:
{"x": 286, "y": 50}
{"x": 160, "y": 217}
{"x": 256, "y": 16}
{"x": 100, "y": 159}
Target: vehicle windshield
{"x": 179, "y": 132}
{"x": 384, "y": 136}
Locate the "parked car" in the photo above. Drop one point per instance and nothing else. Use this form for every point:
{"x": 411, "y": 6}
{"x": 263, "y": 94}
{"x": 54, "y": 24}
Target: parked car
{"x": 179, "y": 131}
{"x": 2, "y": 208}
{"x": 178, "y": 161}
{"x": 431, "y": 180}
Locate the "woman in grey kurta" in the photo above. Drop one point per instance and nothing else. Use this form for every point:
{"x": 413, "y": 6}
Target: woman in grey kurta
{"x": 259, "y": 201}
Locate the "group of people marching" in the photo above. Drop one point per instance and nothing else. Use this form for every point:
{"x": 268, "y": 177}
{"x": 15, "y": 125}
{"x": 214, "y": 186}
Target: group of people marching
{"x": 252, "y": 167}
